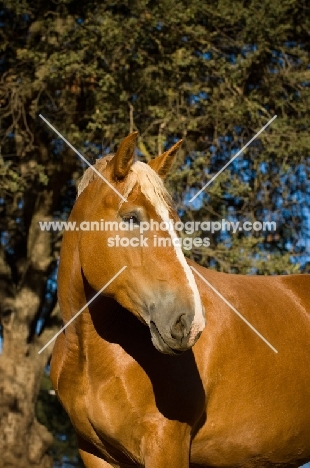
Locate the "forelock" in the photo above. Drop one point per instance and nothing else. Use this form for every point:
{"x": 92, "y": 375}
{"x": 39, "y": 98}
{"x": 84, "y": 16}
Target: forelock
{"x": 151, "y": 185}
{"x": 90, "y": 175}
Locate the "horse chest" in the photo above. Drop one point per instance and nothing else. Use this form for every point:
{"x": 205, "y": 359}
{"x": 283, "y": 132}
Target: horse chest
{"x": 130, "y": 392}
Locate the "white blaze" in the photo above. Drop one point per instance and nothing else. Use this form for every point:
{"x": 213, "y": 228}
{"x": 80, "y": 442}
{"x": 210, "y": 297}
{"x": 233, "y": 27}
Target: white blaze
{"x": 199, "y": 322}
{"x": 154, "y": 190}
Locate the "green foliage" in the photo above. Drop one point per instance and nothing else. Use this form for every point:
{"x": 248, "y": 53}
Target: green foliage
{"x": 205, "y": 72}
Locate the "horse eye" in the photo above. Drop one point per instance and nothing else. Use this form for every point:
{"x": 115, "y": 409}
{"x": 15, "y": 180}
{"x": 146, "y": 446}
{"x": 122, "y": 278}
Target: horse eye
{"x": 132, "y": 219}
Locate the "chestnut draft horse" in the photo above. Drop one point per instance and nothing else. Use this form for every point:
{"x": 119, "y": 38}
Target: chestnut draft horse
{"x": 139, "y": 386}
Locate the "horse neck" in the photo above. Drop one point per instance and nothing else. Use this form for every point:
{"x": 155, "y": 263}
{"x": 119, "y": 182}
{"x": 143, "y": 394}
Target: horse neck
{"x": 74, "y": 292}
{"x": 71, "y": 294}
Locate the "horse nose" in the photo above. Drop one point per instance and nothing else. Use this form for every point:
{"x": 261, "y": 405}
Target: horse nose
{"x": 180, "y": 328}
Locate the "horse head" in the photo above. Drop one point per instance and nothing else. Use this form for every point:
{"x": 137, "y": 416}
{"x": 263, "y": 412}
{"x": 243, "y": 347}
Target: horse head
{"x": 157, "y": 286}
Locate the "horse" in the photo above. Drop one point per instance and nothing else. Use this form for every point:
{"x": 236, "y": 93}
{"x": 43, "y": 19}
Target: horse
{"x": 157, "y": 371}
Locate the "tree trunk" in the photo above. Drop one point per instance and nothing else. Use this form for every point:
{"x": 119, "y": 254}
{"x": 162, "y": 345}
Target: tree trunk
{"x": 23, "y": 441}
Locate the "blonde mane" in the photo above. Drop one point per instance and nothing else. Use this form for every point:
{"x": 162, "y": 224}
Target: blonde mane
{"x": 90, "y": 175}
{"x": 151, "y": 184}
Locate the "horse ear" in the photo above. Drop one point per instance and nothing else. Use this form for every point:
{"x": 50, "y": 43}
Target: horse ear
{"x": 123, "y": 157}
{"x": 162, "y": 163}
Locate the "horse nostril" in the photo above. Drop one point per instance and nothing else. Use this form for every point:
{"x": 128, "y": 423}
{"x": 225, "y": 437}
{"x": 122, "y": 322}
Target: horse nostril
{"x": 178, "y": 330}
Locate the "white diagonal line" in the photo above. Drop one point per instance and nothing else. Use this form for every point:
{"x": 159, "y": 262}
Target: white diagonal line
{"x": 82, "y": 157}
{"x": 232, "y": 159}
{"x": 235, "y": 310}
{"x": 83, "y": 308}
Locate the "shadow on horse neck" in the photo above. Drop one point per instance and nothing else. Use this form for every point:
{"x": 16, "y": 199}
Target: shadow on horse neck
{"x": 176, "y": 382}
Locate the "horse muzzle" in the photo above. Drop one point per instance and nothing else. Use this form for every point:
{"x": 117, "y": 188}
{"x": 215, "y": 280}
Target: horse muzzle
{"x": 180, "y": 336}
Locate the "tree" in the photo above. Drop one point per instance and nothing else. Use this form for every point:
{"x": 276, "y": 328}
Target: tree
{"x": 212, "y": 74}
